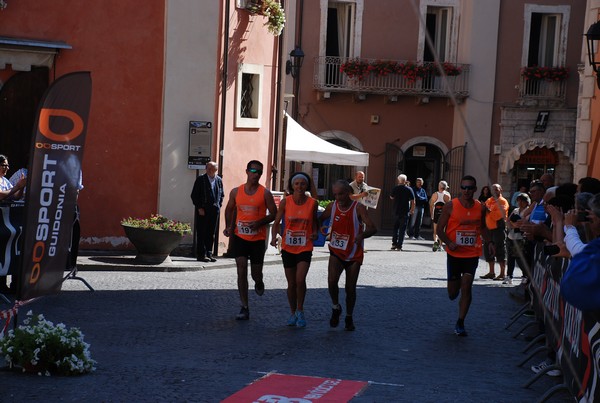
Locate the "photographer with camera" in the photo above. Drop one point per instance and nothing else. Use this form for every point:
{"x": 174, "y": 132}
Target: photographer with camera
{"x": 581, "y": 282}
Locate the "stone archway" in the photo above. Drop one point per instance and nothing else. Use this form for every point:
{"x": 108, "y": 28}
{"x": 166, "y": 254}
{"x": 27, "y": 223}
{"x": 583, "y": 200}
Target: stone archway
{"x": 425, "y": 139}
{"x": 562, "y": 162}
{"x": 507, "y": 160}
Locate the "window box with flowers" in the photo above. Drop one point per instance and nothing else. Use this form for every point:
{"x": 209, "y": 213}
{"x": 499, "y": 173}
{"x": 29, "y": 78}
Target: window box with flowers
{"x": 356, "y": 69}
{"x": 411, "y": 71}
{"x": 272, "y": 10}
{"x": 545, "y": 73}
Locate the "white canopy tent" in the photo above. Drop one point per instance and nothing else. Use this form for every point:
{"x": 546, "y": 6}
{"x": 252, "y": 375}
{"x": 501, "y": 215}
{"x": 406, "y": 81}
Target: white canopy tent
{"x": 302, "y": 145}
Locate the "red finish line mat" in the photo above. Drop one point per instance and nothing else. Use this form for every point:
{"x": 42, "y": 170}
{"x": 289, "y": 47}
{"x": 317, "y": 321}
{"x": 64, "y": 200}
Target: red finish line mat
{"x": 278, "y": 388}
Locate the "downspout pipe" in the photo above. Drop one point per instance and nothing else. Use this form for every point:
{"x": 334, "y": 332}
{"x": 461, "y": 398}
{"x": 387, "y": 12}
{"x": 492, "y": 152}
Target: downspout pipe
{"x": 224, "y": 76}
{"x": 277, "y": 169}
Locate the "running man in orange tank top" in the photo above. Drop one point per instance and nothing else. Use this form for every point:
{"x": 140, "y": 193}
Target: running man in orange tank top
{"x": 345, "y": 247}
{"x": 249, "y": 209}
{"x": 299, "y": 212}
{"x": 461, "y": 227}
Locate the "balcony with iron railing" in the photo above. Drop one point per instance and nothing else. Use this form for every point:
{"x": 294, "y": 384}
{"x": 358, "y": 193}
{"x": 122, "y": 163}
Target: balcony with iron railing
{"x": 391, "y": 77}
{"x": 543, "y": 85}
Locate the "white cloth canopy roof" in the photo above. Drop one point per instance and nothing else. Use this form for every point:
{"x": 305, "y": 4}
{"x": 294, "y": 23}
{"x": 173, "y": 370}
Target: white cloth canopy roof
{"x": 302, "y": 145}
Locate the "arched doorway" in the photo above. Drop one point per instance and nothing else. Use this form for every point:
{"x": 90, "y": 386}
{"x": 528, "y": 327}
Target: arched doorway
{"x": 533, "y": 164}
{"x": 421, "y": 160}
{"x": 424, "y": 161}
{"x": 19, "y": 100}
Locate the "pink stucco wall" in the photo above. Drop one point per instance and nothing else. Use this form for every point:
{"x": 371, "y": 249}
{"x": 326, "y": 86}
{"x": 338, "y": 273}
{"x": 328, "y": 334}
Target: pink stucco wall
{"x": 121, "y": 43}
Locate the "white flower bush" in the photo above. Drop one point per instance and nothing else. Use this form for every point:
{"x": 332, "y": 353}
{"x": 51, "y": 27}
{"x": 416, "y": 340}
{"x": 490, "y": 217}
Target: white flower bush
{"x": 40, "y": 346}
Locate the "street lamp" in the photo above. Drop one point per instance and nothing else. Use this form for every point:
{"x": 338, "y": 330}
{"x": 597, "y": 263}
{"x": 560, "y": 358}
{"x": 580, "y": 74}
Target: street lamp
{"x": 293, "y": 65}
{"x": 593, "y": 35}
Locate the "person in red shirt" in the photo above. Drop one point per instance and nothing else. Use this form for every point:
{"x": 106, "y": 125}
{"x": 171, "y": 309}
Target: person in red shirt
{"x": 299, "y": 212}
{"x": 345, "y": 248}
{"x": 495, "y": 220}
{"x": 461, "y": 227}
{"x": 250, "y": 208}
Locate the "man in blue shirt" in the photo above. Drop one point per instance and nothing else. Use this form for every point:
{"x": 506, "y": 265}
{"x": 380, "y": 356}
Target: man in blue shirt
{"x": 416, "y": 220}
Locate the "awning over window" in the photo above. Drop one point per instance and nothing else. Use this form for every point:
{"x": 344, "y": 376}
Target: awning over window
{"x": 302, "y": 145}
{"x": 22, "y": 53}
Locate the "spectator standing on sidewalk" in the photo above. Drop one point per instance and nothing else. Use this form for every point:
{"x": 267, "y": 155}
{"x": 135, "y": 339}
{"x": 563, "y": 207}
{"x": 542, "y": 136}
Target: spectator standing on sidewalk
{"x": 436, "y": 204}
{"x": 461, "y": 227}
{"x": 246, "y": 218}
{"x": 485, "y": 194}
{"x": 207, "y": 196}
{"x": 345, "y": 248}
{"x": 515, "y": 243}
{"x": 359, "y": 186}
{"x": 404, "y": 204}
{"x": 495, "y": 221}
{"x": 301, "y": 228}
{"x": 420, "y": 204}
{"x": 513, "y": 199}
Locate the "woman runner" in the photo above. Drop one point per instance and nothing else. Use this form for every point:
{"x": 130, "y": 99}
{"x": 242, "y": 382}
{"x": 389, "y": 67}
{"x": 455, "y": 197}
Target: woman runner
{"x": 299, "y": 212}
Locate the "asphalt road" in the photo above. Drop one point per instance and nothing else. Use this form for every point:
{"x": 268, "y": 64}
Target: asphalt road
{"x": 169, "y": 334}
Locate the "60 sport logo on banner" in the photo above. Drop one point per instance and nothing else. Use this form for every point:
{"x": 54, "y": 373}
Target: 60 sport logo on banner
{"x": 44, "y": 128}
{"x": 52, "y": 184}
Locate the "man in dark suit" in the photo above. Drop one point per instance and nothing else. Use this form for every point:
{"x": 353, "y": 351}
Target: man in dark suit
{"x": 207, "y": 196}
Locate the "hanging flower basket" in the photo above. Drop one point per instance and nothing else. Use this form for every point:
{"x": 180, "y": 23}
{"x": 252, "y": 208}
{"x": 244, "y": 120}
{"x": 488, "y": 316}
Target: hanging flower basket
{"x": 545, "y": 73}
{"x": 270, "y": 9}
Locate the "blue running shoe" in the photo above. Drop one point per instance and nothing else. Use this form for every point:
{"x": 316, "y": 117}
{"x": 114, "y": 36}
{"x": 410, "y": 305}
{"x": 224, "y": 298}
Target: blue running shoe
{"x": 459, "y": 330}
{"x": 292, "y": 320}
{"x": 300, "y": 320}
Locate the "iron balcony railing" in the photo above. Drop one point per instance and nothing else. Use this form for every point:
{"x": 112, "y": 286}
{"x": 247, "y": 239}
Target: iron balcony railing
{"x": 328, "y": 77}
{"x": 542, "y": 89}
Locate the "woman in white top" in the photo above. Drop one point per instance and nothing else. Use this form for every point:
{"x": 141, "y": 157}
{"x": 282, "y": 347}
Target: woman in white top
{"x": 7, "y": 190}
{"x": 436, "y": 203}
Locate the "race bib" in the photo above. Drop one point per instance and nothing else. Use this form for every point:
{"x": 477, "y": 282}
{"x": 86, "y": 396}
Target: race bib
{"x": 339, "y": 241}
{"x": 244, "y": 228}
{"x": 295, "y": 238}
{"x": 466, "y": 238}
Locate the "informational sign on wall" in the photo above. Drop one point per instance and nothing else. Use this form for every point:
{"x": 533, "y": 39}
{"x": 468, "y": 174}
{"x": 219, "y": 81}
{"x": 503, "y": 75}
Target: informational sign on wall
{"x": 200, "y": 144}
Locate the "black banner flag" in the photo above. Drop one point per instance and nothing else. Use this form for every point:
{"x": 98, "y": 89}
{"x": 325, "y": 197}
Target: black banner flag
{"x": 53, "y": 183}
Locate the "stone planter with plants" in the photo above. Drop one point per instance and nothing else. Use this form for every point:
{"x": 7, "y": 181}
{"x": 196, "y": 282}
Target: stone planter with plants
{"x": 154, "y": 238}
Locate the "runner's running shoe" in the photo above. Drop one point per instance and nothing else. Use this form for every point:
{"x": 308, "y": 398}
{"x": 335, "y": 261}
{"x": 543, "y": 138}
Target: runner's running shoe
{"x": 300, "y": 320}
{"x": 335, "y": 316}
{"x": 259, "y": 287}
{"x": 459, "y": 330}
{"x": 244, "y": 314}
{"x": 349, "y": 324}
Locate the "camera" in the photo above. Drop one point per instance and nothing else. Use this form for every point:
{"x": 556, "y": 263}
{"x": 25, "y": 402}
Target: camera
{"x": 582, "y": 216}
{"x": 550, "y": 250}
{"x": 515, "y": 218}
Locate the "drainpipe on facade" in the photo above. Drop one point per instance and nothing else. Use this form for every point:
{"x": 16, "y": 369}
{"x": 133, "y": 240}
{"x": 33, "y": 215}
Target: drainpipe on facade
{"x": 295, "y": 87}
{"x": 298, "y": 42}
{"x": 224, "y": 75}
{"x": 277, "y": 169}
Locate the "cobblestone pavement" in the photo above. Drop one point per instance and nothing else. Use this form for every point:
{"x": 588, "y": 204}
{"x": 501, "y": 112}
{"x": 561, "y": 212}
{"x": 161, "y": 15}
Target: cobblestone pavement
{"x": 170, "y": 335}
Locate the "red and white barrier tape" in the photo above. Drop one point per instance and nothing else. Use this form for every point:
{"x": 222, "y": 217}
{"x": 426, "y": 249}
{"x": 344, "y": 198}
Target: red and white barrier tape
{"x": 10, "y": 313}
